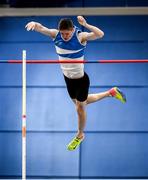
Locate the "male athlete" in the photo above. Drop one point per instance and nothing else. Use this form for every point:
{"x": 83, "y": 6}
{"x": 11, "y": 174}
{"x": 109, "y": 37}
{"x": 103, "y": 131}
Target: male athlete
{"x": 70, "y": 43}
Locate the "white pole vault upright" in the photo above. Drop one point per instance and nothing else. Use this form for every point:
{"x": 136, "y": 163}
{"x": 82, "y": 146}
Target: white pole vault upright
{"x": 24, "y": 115}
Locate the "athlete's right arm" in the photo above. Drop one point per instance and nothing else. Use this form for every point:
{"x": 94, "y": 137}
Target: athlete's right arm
{"x": 35, "y": 26}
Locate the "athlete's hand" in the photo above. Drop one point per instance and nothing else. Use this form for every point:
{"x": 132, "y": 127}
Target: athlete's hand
{"x": 81, "y": 20}
{"x": 30, "y": 26}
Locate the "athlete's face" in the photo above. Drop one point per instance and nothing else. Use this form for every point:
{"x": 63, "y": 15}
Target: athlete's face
{"x": 66, "y": 34}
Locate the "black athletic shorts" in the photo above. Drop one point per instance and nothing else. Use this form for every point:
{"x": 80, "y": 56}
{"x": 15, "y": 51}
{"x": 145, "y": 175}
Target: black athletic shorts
{"x": 78, "y": 88}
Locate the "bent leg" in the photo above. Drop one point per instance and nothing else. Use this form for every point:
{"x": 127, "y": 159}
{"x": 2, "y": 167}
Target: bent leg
{"x": 96, "y": 97}
{"x": 113, "y": 92}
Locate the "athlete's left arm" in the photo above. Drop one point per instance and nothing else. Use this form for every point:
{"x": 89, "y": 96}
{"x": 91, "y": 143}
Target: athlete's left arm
{"x": 95, "y": 32}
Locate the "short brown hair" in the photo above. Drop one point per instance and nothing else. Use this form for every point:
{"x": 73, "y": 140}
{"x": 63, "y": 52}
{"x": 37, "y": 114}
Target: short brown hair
{"x": 65, "y": 24}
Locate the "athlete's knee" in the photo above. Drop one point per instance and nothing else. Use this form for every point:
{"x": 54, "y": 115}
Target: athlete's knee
{"x": 80, "y": 106}
{"x": 74, "y": 100}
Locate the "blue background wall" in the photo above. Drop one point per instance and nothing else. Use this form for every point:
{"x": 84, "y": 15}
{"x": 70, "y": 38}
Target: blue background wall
{"x": 116, "y": 134}
{"x": 76, "y": 3}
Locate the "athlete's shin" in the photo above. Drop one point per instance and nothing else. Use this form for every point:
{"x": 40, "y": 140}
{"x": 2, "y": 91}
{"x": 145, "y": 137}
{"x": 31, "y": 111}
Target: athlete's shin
{"x": 80, "y": 107}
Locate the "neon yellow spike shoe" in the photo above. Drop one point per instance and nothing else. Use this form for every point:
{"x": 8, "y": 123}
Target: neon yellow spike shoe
{"x": 75, "y": 142}
{"x": 118, "y": 94}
